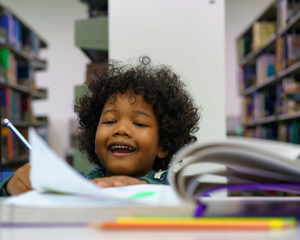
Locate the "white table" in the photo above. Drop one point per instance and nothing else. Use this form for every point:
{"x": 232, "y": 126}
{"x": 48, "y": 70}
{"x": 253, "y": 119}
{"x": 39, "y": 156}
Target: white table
{"x": 97, "y": 234}
{"x": 215, "y": 205}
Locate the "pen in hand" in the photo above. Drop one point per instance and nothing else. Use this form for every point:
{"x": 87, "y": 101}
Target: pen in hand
{"x": 17, "y": 133}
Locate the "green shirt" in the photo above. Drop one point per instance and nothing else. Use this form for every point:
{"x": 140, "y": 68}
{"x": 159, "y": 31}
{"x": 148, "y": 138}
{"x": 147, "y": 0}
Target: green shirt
{"x": 151, "y": 177}
{"x": 3, "y": 187}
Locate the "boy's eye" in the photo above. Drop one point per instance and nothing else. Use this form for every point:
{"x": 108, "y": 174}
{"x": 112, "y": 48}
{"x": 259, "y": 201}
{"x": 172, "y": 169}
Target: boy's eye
{"x": 140, "y": 124}
{"x": 109, "y": 122}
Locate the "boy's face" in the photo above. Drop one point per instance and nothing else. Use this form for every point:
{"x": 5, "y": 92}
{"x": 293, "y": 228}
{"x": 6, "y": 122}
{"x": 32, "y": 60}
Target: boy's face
{"x": 127, "y": 136}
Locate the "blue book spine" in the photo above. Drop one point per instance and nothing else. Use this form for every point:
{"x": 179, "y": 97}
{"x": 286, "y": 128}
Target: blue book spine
{"x": 7, "y": 22}
{"x": 17, "y": 34}
{"x": 23, "y": 72}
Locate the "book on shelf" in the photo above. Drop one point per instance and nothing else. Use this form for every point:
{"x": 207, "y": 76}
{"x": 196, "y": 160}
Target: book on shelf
{"x": 247, "y": 77}
{"x": 265, "y": 67}
{"x": 18, "y": 73}
{"x": 196, "y": 170}
{"x": 15, "y": 105}
{"x": 293, "y": 48}
{"x": 279, "y": 58}
{"x": 9, "y": 63}
{"x": 287, "y": 51}
{"x": 12, "y": 149}
{"x": 294, "y": 97}
{"x": 286, "y": 9}
{"x": 259, "y": 105}
{"x": 289, "y": 94}
{"x": 289, "y": 132}
{"x": 248, "y": 110}
{"x": 244, "y": 46}
{"x": 6, "y": 144}
{"x": 282, "y": 14}
{"x": 261, "y": 33}
{"x": 12, "y": 28}
{"x": 19, "y": 36}
{"x": 262, "y": 131}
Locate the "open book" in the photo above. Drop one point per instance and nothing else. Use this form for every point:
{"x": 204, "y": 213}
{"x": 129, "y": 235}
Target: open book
{"x": 235, "y": 164}
{"x": 63, "y": 195}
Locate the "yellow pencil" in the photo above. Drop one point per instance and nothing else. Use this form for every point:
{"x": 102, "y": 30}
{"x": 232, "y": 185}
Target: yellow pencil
{"x": 271, "y": 222}
{"x": 290, "y": 219}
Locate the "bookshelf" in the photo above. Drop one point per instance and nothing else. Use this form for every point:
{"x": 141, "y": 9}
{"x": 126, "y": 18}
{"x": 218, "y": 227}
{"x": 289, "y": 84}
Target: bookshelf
{"x": 95, "y": 46}
{"x": 269, "y": 73}
{"x": 20, "y": 61}
{"x": 91, "y": 36}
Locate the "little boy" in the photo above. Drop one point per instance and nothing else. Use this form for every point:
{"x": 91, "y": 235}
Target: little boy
{"x": 132, "y": 121}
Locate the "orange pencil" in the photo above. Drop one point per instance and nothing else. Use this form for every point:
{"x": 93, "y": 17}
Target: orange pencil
{"x": 173, "y": 226}
{"x": 196, "y": 224}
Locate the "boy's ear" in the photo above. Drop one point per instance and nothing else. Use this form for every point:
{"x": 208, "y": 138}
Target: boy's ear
{"x": 162, "y": 153}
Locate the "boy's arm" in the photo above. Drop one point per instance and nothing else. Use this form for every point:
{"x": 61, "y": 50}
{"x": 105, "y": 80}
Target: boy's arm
{"x": 98, "y": 176}
{"x": 18, "y": 183}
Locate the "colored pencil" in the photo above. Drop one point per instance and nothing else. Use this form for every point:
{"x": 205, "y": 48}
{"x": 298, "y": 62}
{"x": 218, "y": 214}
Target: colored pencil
{"x": 153, "y": 223}
{"x": 17, "y": 133}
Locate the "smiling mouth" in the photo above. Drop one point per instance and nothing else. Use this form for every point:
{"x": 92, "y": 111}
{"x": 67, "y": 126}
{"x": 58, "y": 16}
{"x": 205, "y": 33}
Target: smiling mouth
{"x": 122, "y": 149}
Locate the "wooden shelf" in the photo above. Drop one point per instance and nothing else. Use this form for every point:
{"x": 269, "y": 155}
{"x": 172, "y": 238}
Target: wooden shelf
{"x": 290, "y": 70}
{"x": 269, "y": 81}
{"x": 273, "y": 119}
{"x": 36, "y": 94}
{"x": 26, "y": 124}
{"x": 265, "y": 120}
{"x": 291, "y": 116}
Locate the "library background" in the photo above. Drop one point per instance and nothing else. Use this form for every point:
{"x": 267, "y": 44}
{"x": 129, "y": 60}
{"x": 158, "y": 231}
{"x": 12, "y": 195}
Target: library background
{"x": 20, "y": 46}
{"x": 269, "y": 76}
{"x": 20, "y": 63}
{"x": 269, "y": 54}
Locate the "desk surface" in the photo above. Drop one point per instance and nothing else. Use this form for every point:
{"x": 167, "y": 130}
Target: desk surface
{"x": 216, "y": 206}
{"x": 91, "y": 234}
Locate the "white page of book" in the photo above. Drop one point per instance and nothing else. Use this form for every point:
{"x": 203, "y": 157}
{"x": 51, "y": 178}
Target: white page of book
{"x": 36, "y": 199}
{"x": 51, "y": 173}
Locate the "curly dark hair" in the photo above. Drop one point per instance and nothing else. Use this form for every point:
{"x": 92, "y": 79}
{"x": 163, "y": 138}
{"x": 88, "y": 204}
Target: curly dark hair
{"x": 174, "y": 108}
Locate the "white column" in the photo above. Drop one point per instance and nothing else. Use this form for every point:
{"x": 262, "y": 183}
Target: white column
{"x": 187, "y": 35}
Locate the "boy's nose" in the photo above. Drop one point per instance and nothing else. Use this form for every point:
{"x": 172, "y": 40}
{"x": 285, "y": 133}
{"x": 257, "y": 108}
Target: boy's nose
{"x": 121, "y": 133}
{"x": 122, "y": 130}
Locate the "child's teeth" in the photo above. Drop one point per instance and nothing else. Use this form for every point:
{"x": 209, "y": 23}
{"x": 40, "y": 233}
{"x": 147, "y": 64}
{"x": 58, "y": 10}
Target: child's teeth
{"x": 120, "y": 146}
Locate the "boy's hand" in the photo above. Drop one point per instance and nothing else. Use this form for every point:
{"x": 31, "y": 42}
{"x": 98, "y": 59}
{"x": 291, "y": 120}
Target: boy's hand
{"x": 20, "y": 182}
{"x": 117, "y": 181}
